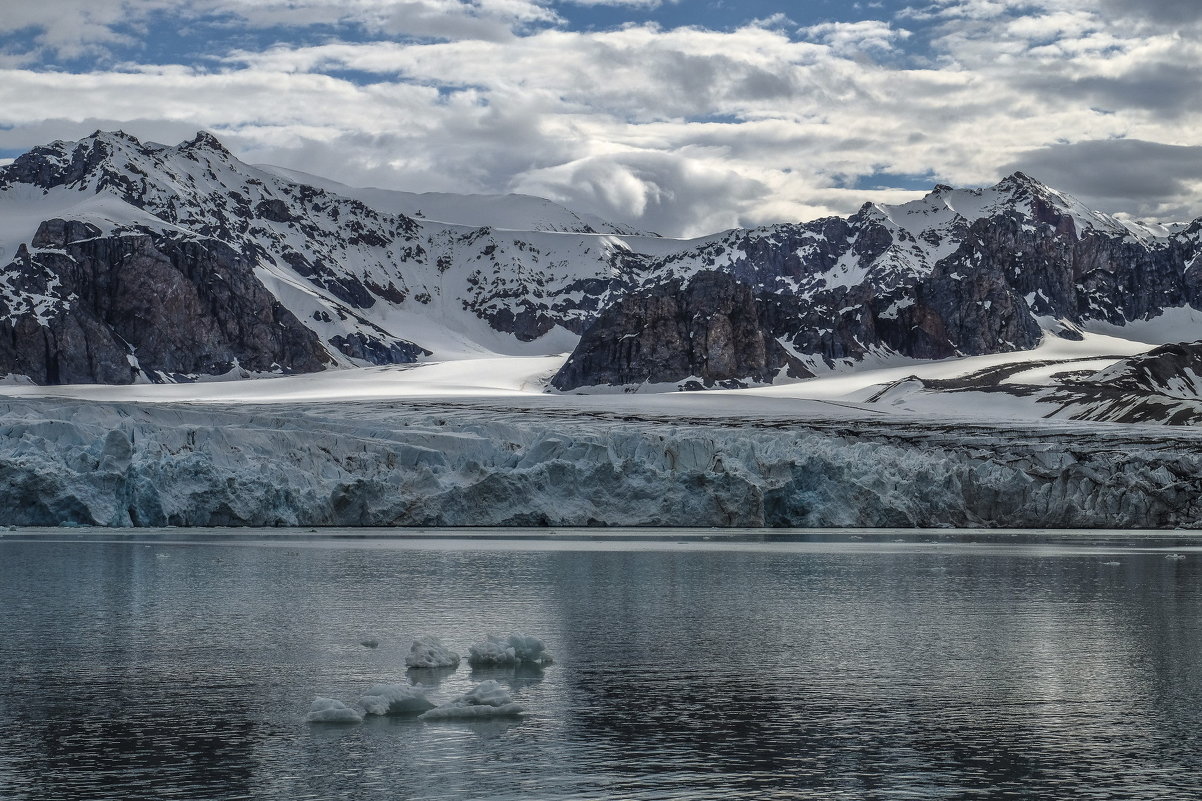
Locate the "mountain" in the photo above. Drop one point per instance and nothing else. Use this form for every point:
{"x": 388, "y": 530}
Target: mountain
{"x": 507, "y": 212}
{"x": 127, "y": 261}
{"x": 955, "y": 273}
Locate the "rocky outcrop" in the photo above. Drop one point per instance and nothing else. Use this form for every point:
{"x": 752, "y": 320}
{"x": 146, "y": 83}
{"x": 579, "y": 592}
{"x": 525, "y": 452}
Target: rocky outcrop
{"x": 712, "y": 329}
{"x": 88, "y": 308}
{"x": 1163, "y": 387}
{"x": 1174, "y": 370}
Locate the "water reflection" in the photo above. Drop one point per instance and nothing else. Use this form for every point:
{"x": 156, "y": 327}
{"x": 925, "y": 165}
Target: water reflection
{"x": 515, "y": 677}
{"x": 430, "y": 677}
{"x": 684, "y": 672}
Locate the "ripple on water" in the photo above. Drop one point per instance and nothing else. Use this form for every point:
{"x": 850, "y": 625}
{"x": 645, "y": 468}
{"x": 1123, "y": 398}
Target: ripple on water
{"x": 681, "y": 672}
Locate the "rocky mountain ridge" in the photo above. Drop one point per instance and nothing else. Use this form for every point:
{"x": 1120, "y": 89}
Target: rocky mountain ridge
{"x": 956, "y": 273}
{"x": 366, "y": 286}
{"x": 123, "y": 260}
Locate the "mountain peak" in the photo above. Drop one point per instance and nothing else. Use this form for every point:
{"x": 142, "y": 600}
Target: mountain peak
{"x": 1020, "y": 180}
{"x": 204, "y": 141}
{"x": 114, "y": 136}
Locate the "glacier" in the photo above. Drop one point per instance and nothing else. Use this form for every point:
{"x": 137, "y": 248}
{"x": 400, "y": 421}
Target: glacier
{"x": 559, "y": 461}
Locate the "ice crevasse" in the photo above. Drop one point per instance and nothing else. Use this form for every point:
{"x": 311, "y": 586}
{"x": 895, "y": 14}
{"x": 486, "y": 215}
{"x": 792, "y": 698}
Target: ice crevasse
{"x": 379, "y": 463}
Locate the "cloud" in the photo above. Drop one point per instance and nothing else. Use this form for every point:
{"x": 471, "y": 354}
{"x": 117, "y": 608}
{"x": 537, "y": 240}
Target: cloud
{"x": 489, "y": 20}
{"x": 631, "y": 3}
{"x": 74, "y": 28}
{"x": 1172, "y": 12}
{"x": 679, "y": 129}
{"x": 1163, "y": 87}
{"x": 664, "y": 191}
{"x": 1148, "y": 176}
{"x": 853, "y": 37}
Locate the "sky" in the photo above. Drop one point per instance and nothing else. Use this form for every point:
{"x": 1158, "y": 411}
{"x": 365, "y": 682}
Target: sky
{"x": 680, "y": 116}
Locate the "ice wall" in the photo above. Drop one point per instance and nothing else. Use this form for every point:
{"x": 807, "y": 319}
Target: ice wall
{"x": 123, "y": 464}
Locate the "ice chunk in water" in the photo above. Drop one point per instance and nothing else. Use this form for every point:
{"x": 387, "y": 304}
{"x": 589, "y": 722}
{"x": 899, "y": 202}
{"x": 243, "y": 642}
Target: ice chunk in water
{"x": 429, "y": 652}
{"x": 529, "y": 649}
{"x": 491, "y": 653}
{"x": 330, "y": 710}
{"x": 495, "y": 652}
{"x": 486, "y": 700}
{"x": 396, "y": 699}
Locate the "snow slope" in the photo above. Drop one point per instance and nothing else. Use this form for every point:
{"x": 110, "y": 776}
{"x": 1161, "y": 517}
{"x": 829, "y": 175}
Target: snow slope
{"x": 509, "y": 212}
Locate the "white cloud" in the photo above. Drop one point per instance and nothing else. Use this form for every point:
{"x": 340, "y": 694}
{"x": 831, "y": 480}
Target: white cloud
{"x": 853, "y": 37}
{"x": 71, "y": 28}
{"x": 682, "y": 130}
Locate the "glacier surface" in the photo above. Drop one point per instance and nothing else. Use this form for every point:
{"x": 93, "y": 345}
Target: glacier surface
{"x": 411, "y": 462}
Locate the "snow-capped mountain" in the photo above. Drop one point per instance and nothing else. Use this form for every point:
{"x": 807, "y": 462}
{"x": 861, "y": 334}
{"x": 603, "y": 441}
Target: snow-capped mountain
{"x": 123, "y": 260}
{"x": 511, "y": 212}
{"x": 955, "y": 273}
{"x": 127, "y": 260}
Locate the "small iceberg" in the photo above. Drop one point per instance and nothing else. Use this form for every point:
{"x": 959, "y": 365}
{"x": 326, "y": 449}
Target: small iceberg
{"x": 487, "y": 700}
{"x": 518, "y": 648}
{"x": 396, "y": 700}
{"x": 330, "y": 710}
{"x": 429, "y": 652}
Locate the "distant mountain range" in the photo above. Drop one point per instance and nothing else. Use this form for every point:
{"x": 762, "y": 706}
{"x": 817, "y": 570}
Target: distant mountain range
{"x": 132, "y": 261}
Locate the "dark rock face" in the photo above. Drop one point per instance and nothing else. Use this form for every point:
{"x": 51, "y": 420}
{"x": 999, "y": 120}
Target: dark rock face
{"x": 108, "y": 306}
{"x": 377, "y": 351}
{"x": 1163, "y": 386}
{"x": 713, "y": 328}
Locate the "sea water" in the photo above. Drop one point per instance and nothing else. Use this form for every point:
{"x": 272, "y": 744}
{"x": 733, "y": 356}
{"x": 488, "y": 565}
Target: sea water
{"x": 688, "y": 665}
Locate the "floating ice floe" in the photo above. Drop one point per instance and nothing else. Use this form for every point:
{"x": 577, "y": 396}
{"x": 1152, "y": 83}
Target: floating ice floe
{"x": 487, "y": 700}
{"x": 330, "y": 710}
{"x": 396, "y": 699}
{"x": 518, "y": 648}
{"x": 429, "y": 652}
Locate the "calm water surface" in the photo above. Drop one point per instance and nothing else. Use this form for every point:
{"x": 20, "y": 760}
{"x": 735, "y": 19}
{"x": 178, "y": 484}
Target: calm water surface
{"x": 179, "y": 665}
